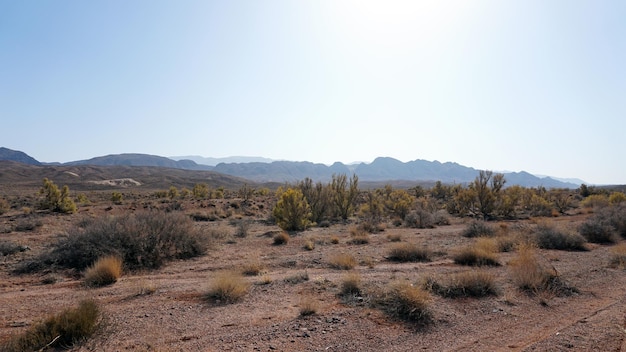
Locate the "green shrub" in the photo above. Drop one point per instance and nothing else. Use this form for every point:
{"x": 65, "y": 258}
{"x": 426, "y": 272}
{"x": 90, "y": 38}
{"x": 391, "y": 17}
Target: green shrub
{"x": 142, "y": 240}
{"x": 117, "y": 197}
{"x": 408, "y": 252}
{"x": 56, "y": 200}
{"x": 62, "y": 330}
{"x": 478, "y": 228}
{"x": 292, "y": 212}
{"x": 549, "y": 237}
{"x": 420, "y": 219}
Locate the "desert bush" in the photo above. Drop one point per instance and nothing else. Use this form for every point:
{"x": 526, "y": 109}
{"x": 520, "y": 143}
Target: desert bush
{"x": 595, "y": 201}
{"x": 142, "y": 240}
{"x": 28, "y": 224}
{"x": 482, "y": 252}
{"x": 478, "y": 228}
{"x": 549, "y": 237}
{"x": 598, "y": 229}
{"x": 530, "y": 276}
{"x": 56, "y": 200}
{"x": 117, "y": 197}
{"x": 104, "y": 271}
{"x": 200, "y": 191}
{"x": 342, "y": 261}
{"x": 409, "y": 252}
{"x": 616, "y": 216}
{"x": 334, "y": 239}
{"x": 61, "y": 330}
{"x": 617, "y": 198}
{"x": 464, "y": 284}
{"x": 344, "y": 194}
{"x": 350, "y": 285}
{"x": 292, "y": 212}
{"x": 297, "y": 278}
{"x": 242, "y": 228}
{"x": 281, "y": 238}
{"x": 420, "y": 219}
{"x": 8, "y": 248}
{"x": 441, "y": 217}
{"x": 228, "y": 287}
{"x": 407, "y": 302}
{"x": 618, "y": 256}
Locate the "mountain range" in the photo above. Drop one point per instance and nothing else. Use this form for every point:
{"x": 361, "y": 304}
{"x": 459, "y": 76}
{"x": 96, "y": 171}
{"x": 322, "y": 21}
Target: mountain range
{"x": 264, "y": 170}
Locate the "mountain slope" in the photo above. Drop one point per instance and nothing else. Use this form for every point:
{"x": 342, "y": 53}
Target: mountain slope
{"x": 16, "y": 155}
{"x": 134, "y": 159}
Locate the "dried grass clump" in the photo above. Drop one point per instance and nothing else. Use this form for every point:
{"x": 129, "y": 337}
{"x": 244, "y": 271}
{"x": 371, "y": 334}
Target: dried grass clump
{"x": 549, "y": 237}
{"x": 228, "y": 287}
{"x": 308, "y": 305}
{"x": 281, "y": 238}
{"x": 479, "y": 228}
{"x": 105, "y": 271}
{"x": 409, "y": 252}
{"x": 252, "y": 268}
{"x": 394, "y": 237}
{"x": 62, "y": 330}
{"x": 530, "y": 276}
{"x": 407, "y": 302}
{"x": 297, "y": 278}
{"x": 482, "y": 252}
{"x": 359, "y": 236}
{"x": 618, "y": 256}
{"x": 351, "y": 285}
{"x": 465, "y": 284}
{"x": 342, "y": 261}
{"x": 309, "y": 245}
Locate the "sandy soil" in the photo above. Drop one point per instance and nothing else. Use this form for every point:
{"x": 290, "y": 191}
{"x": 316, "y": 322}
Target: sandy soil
{"x": 164, "y": 310}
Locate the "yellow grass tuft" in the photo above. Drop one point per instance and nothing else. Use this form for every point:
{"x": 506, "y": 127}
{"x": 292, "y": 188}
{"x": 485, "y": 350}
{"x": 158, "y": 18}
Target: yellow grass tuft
{"x": 228, "y": 286}
{"x": 342, "y": 261}
{"x": 105, "y": 271}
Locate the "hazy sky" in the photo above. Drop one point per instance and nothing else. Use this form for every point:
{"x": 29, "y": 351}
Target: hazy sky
{"x": 528, "y": 85}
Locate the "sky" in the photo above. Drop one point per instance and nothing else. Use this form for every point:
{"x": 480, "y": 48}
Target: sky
{"x": 531, "y": 85}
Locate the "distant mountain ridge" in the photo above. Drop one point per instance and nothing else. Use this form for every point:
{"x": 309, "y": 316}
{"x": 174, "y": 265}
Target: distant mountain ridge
{"x": 134, "y": 159}
{"x": 16, "y": 155}
{"x": 231, "y": 159}
{"x": 380, "y": 170}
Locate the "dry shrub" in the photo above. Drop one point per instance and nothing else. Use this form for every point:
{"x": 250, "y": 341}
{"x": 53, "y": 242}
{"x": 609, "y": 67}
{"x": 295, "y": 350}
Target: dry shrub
{"x": 281, "y": 238}
{"x": 297, "y": 278}
{"x": 482, "y": 252}
{"x": 465, "y": 284}
{"x": 309, "y": 245}
{"x": 8, "y": 248}
{"x": 394, "y": 237}
{"x": 407, "y": 302}
{"x": 142, "y": 240}
{"x": 420, "y": 218}
{"x": 308, "y": 305}
{"x": 252, "y": 268}
{"x": 351, "y": 285}
{"x": 618, "y": 256}
{"x": 334, "y": 239}
{"x": 359, "y": 236}
{"x": 228, "y": 287}
{"x": 530, "y": 276}
{"x": 479, "y": 228}
{"x": 62, "y": 330}
{"x": 242, "y": 227}
{"x": 409, "y": 252}
{"x": 342, "y": 261}
{"x": 549, "y": 237}
{"x": 105, "y": 271}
